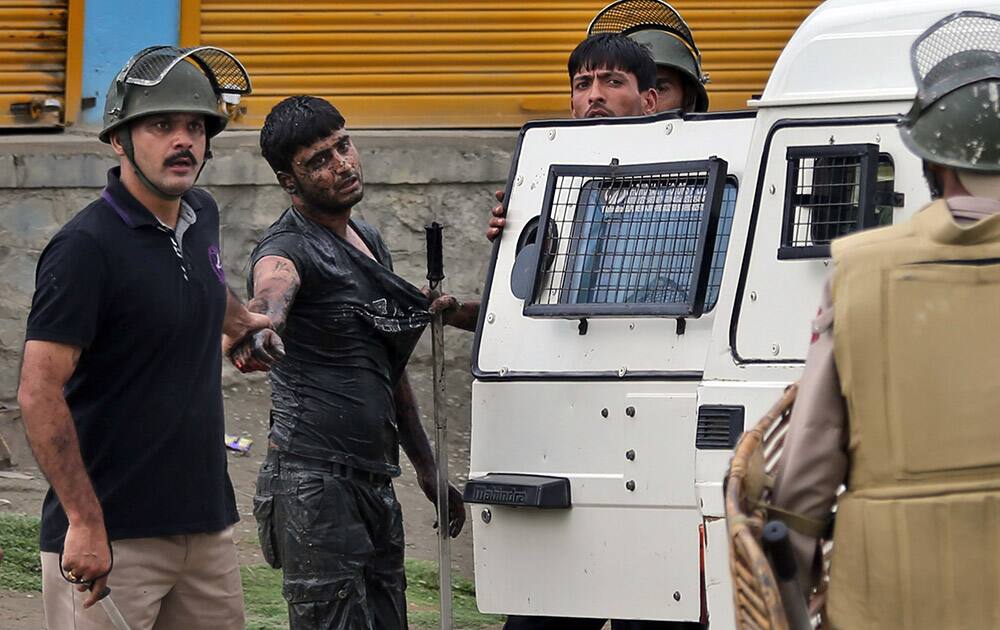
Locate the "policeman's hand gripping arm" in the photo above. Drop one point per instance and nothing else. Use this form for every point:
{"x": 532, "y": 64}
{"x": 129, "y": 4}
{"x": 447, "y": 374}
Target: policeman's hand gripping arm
{"x": 276, "y": 281}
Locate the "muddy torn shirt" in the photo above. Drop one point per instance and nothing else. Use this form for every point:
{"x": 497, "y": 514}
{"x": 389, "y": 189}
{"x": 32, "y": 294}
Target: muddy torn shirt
{"x": 348, "y": 336}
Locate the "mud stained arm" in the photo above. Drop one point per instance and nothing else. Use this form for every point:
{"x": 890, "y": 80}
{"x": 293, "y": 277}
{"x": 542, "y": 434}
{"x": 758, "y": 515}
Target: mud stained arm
{"x": 417, "y": 447}
{"x": 48, "y": 423}
{"x": 412, "y": 436}
{"x": 275, "y": 283}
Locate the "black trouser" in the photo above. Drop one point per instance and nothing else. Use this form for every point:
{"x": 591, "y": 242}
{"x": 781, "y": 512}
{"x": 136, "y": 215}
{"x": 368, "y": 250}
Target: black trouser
{"x": 517, "y": 622}
{"x": 338, "y": 536}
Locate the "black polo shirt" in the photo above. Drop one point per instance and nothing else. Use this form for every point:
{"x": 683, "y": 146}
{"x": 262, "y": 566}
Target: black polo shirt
{"x": 146, "y": 395}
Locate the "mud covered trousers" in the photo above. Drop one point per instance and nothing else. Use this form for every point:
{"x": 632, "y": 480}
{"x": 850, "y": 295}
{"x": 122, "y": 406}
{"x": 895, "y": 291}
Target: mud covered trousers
{"x": 337, "y": 534}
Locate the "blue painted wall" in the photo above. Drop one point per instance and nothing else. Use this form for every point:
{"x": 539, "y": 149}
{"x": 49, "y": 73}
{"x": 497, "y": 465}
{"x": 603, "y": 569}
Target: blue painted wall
{"x": 114, "y": 30}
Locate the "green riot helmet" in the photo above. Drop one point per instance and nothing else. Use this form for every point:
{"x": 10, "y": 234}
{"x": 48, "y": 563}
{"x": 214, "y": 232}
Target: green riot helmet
{"x": 657, "y": 26}
{"x": 165, "y": 79}
{"x": 955, "y": 118}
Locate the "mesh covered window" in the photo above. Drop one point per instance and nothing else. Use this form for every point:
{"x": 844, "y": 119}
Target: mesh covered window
{"x": 829, "y": 193}
{"x": 633, "y": 240}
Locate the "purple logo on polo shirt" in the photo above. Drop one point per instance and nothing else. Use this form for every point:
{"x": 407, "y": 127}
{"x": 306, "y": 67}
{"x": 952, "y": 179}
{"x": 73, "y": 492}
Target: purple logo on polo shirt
{"x": 215, "y": 259}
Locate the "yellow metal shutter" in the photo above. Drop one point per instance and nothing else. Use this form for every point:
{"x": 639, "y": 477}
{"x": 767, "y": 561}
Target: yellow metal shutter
{"x": 40, "y": 61}
{"x": 460, "y": 63}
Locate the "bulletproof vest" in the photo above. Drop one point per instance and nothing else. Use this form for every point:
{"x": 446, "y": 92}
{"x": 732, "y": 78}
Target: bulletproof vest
{"x": 917, "y": 347}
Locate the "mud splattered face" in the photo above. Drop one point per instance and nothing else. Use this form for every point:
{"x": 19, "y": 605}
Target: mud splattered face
{"x": 326, "y": 176}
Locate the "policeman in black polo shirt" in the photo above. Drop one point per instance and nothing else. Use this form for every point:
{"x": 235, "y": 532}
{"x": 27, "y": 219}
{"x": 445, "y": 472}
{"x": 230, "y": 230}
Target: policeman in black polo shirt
{"x": 120, "y": 385}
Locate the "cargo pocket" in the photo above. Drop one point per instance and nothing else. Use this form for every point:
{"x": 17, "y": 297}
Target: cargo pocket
{"x": 943, "y": 360}
{"x": 263, "y": 512}
{"x": 334, "y": 602}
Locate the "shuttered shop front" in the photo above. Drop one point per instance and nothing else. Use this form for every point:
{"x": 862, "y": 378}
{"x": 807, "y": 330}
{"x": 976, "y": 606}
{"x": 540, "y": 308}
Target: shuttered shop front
{"x": 40, "y": 62}
{"x": 460, "y": 63}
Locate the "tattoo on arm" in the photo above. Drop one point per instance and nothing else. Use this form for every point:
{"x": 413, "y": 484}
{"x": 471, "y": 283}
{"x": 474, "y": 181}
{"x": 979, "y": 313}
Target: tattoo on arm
{"x": 275, "y": 283}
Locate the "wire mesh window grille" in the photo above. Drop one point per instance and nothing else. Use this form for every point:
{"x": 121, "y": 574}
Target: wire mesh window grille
{"x": 829, "y": 193}
{"x": 633, "y": 240}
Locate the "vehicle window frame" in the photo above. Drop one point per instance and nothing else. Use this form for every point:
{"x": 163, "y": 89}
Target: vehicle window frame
{"x": 715, "y": 178}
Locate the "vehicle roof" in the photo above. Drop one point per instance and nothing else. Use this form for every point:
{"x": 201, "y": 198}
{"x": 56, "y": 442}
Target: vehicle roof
{"x": 856, "y": 50}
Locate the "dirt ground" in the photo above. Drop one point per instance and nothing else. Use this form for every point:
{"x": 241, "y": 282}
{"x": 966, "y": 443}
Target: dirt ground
{"x": 247, "y": 403}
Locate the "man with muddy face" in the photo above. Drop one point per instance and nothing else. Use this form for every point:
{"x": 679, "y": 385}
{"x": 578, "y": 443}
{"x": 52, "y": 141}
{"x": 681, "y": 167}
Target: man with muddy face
{"x": 341, "y": 403}
{"x": 120, "y": 386}
{"x": 325, "y": 177}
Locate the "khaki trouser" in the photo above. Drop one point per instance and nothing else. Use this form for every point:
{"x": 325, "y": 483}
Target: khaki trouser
{"x": 170, "y": 583}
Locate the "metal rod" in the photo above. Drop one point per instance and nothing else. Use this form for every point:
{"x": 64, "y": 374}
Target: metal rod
{"x": 435, "y": 274}
{"x": 441, "y": 455}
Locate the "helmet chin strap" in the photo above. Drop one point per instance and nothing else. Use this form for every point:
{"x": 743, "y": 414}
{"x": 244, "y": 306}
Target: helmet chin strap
{"x": 932, "y": 181}
{"x": 125, "y": 137}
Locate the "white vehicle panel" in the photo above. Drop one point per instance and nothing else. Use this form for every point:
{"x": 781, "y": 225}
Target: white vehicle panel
{"x": 512, "y": 343}
{"x": 780, "y": 297}
{"x": 850, "y": 51}
{"x": 591, "y": 562}
{"x": 718, "y": 586}
{"x": 628, "y": 566}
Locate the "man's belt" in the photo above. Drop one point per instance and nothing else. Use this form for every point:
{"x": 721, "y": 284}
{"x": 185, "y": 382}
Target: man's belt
{"x": 297, "y": 462}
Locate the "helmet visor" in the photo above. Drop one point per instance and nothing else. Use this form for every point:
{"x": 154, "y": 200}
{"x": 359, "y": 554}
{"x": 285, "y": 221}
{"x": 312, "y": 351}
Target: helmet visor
{"x": 150, "y": 66}
{"x": 961, "y": 49}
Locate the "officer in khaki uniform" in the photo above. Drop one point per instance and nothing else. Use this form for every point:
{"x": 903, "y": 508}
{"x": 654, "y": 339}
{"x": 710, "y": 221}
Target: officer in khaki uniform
{"x": 901, "y": 391}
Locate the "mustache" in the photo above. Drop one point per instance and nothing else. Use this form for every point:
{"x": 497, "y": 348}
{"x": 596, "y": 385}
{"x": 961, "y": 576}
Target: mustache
{"x": 180, "y": 155}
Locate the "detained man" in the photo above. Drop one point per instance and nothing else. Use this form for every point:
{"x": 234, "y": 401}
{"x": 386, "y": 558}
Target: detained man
{"x": 341, "y": 403}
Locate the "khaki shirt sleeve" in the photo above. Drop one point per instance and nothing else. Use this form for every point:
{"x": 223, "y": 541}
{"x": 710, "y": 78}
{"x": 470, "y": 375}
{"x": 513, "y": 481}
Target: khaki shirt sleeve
{"x": 813, "y": 464}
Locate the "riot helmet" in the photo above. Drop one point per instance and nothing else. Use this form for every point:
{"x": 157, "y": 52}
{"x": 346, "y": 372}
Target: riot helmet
{"x": 165, "y": 79}
{"x": 657, "y": 26}
{"x": 955, "y": 118}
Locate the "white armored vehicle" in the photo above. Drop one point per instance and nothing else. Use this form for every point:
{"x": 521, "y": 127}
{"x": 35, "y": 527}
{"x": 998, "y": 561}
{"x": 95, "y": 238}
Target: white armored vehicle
{"x": 651, "y": 296}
